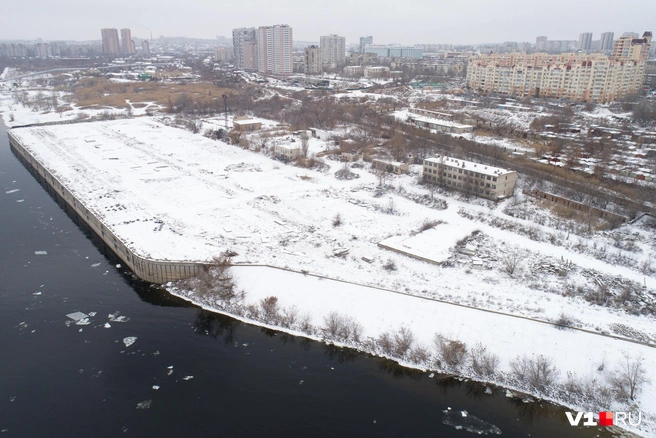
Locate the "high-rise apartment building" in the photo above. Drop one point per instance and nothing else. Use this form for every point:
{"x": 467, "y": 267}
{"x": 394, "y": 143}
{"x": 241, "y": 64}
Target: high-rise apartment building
{"x": 630, "y": 47}
{"x": 585, "y": 41}
{"x": 239, "y": 38}
{"x": 364, "y": 41}
{"x": 541, "y": 43}
{"x": 313, "y": 60}
{"x": 333, "y": 50}
{"x": 127, "y": 46}
{"x": 606, "y": 41}
{"x": 250, "y": 55}
{"x": 145, "y": 48}
{"x": 275, "y": 49}
{"x": 110, "y": 43}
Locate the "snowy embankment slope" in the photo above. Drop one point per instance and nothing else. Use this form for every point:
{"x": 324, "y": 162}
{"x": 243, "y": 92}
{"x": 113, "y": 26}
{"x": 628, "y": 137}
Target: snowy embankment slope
{"x": 380, "y": 311}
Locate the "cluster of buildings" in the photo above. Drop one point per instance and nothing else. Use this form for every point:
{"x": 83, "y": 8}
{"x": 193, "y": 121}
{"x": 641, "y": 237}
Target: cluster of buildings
{"x": 111, "y": 45}
{"x": 592, "y": 77}
{"x": 38, "y": 50}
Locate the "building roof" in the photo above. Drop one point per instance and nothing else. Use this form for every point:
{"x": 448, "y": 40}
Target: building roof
{"x": 469, "y": 165}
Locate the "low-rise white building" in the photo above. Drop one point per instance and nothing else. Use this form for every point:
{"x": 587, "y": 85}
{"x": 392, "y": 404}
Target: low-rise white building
{"x": 287, "y": 151}
{"x": 469, "y": 177}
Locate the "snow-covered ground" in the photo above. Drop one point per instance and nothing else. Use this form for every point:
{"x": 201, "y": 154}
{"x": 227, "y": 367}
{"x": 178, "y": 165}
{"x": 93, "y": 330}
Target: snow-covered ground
{"x": 377, "y": 311}
{"x": 174, "y": 195}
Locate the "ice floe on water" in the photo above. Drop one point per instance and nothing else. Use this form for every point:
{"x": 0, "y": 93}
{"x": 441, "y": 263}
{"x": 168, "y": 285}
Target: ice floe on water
{"x": 144, "y": 404}
{"x": 41, "y": 252}
{"x": 116, "y": 317}
{"x": 76, "y": 316}
{"x": 155, "y": 387}
{"x": 95, "y": 265}
{"x": 461, "y": 420}
{"x": 107, "y": 325}
{"x": 9, "y": 192}
{"x": 129, "y": 340}
{"x": 187, "y": 377}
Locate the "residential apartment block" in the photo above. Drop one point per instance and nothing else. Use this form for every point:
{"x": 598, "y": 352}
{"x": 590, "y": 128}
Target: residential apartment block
{"x": 313, "y": 60}
{"x": 110, "y": 41}
{"x": 333, "y": 50}
{"x": 275, "y": 50}
{"x": 581, "y": 77}
{"x": 267, "y": 49}
{"x": 239, "y": 39}
{"x": 472, "y": 178}
{"x": 127, "y": 46}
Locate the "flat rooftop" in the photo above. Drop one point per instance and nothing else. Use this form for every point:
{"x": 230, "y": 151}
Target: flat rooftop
{"x": 469, "y": 165}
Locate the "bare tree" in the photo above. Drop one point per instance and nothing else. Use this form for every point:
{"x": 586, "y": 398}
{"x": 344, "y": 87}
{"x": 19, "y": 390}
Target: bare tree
{"x": 305, "y": 144}
{"x": 629, "y": 377}
{"x": 511, "y": 261}
{"x": 403, "y": 340}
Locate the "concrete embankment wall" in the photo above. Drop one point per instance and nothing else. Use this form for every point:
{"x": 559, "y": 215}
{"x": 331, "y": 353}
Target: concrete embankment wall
{"x": 154, "y": 271}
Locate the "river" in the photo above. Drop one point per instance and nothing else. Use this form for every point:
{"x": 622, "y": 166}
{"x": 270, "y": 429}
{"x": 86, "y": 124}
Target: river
{"x": 190, "y": 372}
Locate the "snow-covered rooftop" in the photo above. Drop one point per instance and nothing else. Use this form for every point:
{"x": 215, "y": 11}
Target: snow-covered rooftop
{"x": 469, "y": 165}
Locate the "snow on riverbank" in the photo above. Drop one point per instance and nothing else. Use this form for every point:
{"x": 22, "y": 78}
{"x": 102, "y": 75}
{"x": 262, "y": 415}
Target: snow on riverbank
{"x": 381, "y": 311}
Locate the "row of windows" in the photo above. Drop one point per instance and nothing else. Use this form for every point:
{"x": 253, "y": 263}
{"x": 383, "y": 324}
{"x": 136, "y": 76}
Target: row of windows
{"x": 466, "y": 172}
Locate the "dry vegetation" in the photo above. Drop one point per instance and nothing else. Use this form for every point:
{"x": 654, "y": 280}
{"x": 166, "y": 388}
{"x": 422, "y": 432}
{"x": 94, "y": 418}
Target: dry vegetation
{"x": 101, "y": 92}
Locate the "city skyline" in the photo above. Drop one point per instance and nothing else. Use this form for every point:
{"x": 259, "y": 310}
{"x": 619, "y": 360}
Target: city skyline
{"x": 408, "y": 23}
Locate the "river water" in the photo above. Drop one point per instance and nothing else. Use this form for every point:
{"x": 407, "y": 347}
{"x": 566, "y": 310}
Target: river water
{"x": 214, "y": 376}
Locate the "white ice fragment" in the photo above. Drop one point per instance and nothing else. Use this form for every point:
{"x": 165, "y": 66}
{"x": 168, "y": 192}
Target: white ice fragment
{"x": 187, "y": 377}
{"x": 129, "y": 340}
{"x": 510, "y": 394}
{"x": 155, "y": 387}
{"x": 169, "y": 372}
{"x": 170, "y": 367}
{"x": 118, "y": 265}
{"x": 36, "y": 293}
{"x": 301, "y": 382}
{"x": 80, "y": 330}
{"x": 76, "y": 316}
{"x": 9, "y": 192}
{"x": 488, "y": 390}
{"x": 107, "y": 325}
{"x": 144, "y": 404}
{"x": 92, "y": 314}
{"x": 431, "y": 375}
{"x": 20, "y": 200}
{"x": 463, "y": 413}
{"x": 41, "y": 252}
{"x": 83, "y": 321}
{"x": 95, "y": 265}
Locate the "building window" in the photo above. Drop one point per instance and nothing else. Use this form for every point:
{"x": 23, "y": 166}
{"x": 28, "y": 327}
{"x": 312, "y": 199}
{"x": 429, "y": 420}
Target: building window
{"x": 459, "y": 170}
{"x": 488, "y": 177}
{"x": 494, "y": 179}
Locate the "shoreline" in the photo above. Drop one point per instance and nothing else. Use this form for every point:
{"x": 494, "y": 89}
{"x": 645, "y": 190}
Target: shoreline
{"x": 463, "y": 374}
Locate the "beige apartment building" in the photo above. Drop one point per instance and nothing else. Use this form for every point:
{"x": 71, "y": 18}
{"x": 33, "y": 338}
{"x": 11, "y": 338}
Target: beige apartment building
{"x": 474, "y": 178}
{"x": 574, "y": 76}
{"x": 313, "y": 60}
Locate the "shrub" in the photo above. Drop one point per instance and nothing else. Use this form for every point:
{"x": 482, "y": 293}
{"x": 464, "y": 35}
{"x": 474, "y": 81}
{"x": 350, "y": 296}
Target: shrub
{"x": 564, "y": 321}
{"x": 390, "y": 265}
{"x": 538, "y": 373}
{"x": 482, "y": 362}
{"x": 451, "y": 352}
{"x": 337, "y": 220}
{"x": 427, "y": 224}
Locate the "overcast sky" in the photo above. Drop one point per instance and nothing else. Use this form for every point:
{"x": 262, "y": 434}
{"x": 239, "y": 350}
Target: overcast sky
{"x": 391, "y": 21}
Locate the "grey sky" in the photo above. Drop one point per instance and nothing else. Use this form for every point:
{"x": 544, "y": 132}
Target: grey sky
{"x": 392, "y": 21}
